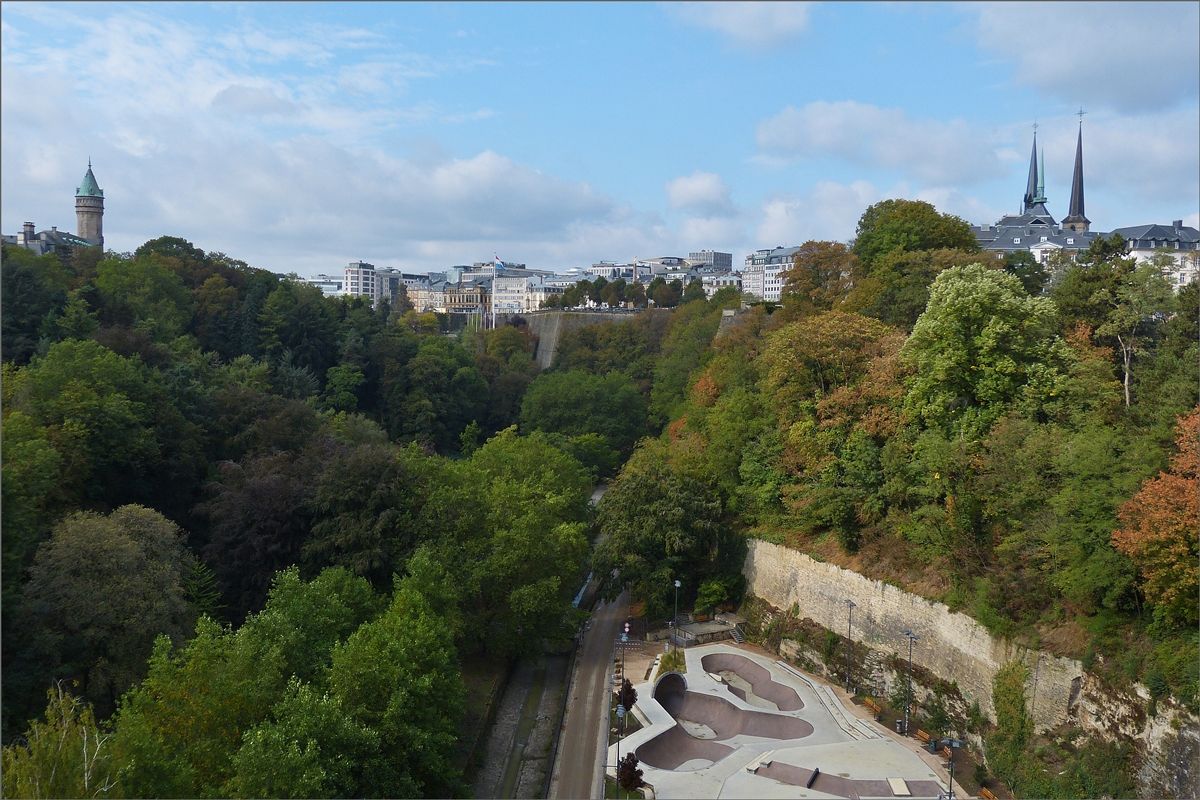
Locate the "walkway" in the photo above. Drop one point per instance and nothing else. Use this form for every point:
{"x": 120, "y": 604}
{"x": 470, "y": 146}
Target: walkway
{"x": 578, "y": 770}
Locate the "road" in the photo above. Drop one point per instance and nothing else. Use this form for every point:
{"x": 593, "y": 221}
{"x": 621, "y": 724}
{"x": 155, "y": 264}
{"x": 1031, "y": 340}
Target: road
{"x": 584, "y": 741}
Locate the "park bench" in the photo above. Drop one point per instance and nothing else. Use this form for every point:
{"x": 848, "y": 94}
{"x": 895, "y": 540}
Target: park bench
{"x": 923, "y": 736}
{"x": 986, "y": 793}
{"x": 871, "y": 704}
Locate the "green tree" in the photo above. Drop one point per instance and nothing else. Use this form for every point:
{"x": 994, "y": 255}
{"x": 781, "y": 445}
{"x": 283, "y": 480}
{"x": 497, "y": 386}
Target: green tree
{"x": 1027, "y": 269}
{"x": 68, "y": 755}
{"x": 896, "y": 290}
{"x": 176, "y": 735}
{"x": 659, "y": 525}
{"x": 34, "y": 288}
{"x": 1137, "y": 298}
{"x": 981, "y": 345}
{"x": 399, "y": 677}
{"x": 297, "y": 318}
{"x": 144, "y": 293}
{"x": 908, "y": 225}
{"x": 309, "y": 747}
{"x": 341, "y": 386}
{"x": 100, "y": 590}
{"x": 576, "y": 403}
{"x": 694, "y": 291}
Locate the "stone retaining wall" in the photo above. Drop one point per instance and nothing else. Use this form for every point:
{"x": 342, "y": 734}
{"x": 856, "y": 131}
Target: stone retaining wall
{"x": 952, "y": 645}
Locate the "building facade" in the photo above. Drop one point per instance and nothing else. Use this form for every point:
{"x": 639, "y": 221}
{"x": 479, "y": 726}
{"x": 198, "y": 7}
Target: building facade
{"x": 712, "y": 259}
{"x": 762, "y": 275}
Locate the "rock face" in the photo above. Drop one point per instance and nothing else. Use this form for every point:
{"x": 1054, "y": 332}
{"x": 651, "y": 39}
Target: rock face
{"x": 958, "y": 649}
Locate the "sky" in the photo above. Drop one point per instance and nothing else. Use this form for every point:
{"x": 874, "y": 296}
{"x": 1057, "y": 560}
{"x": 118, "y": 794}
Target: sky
{"x": 301, "y": 137}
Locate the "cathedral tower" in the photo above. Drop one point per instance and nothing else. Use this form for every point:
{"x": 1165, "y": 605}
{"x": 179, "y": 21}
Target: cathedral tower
{"x": 89, "y": 209}
{"x": 1076, "y": 221}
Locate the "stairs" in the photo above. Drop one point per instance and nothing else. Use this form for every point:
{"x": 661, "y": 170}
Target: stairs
{"x": 737, "y": 635}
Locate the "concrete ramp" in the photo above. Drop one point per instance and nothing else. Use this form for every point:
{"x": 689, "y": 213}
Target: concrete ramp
{"x": 760, "y": 680}
{"x": 669, "y": 750}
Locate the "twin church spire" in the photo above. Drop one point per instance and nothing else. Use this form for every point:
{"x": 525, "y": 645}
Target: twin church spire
{"x": 1035, "y": 188}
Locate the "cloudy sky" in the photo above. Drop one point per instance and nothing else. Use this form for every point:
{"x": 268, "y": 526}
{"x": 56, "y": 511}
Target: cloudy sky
{"x": 301, "y": 137}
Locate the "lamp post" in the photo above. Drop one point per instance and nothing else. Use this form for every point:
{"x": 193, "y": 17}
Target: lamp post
{"x": 675, "y": 622}
{"x": 849, "y": 605}
{"x": 908, "y": 693}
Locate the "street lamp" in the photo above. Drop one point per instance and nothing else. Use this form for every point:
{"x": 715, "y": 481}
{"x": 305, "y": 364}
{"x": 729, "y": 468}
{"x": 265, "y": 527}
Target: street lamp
{"x": 850, "y": 605}
{"x": 675, "y": 622}
{"x": 908, "y": 694}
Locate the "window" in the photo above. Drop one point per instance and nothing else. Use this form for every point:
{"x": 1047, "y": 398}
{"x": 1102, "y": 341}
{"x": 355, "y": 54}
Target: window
{"x": 1016, "y": 240}
{"x": 1044, "y": 238}
{"x": 1070, "y": 241}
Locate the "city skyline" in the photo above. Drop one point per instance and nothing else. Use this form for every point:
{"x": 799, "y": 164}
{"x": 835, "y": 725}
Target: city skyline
{"x": 301, "y": 137}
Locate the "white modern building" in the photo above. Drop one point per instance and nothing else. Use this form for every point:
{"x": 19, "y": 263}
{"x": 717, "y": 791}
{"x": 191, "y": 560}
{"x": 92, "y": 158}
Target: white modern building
{"x": 330, "y": 285}
{"x": 762, "y": 273}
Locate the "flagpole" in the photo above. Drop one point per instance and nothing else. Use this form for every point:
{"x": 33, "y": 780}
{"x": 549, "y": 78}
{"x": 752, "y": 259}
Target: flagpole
{"x": 495, "y": 258}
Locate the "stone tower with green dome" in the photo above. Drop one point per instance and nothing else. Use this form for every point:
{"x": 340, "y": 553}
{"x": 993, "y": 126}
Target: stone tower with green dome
{"x": 89, "y": 209}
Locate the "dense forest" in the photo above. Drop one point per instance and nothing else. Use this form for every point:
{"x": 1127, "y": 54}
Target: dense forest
{"x": 252, "y": 534}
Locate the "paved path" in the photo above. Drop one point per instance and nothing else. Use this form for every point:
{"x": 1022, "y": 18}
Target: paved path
{"x": 584, "y": 740}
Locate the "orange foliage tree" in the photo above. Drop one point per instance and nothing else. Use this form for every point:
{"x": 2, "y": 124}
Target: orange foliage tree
{"x": 1160, "y": 533}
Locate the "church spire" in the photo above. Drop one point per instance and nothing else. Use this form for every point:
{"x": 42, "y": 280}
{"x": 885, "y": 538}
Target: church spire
{"x": 1076, "y": 221}
{"x": 1040, "y": 198}
{"x": 1031, "y": 191}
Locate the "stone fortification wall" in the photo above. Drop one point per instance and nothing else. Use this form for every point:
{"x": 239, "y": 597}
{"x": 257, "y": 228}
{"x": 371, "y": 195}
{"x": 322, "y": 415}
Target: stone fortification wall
{"x": 549, "y": 326}
{"x": 952, "y": 646}
{"x": 956, "y": 648}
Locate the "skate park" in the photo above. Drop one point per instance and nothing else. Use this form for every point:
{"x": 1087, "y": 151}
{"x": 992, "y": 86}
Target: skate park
{"x": 743, "y": 724}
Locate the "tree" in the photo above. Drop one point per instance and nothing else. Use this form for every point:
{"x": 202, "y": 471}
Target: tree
{"x": 982, "y": 344}
{"x": 576, "y": 403}
{"x": 297, "y": 318}
{"x": 341, "y": 386}
{"x": 304, "y": 620}
{"x": 34, "y": 288}
{"x": 1027, "y": 269}
{"x": 630, "y": 777}
{"x": 821, "y": 274}
{"x": 65, "y": 756}
{"x": 259, "y": 517}
{"x": 694, "y": 291}
{"x": 1132, "y": 303}
{"x": 1159, "y": 531}
{"x": 398, "y": 676}
{"x": 908, "y": 225}
{"x": 144, "y": 293}
{"x": 627, "y": 695}
{"x": 100, "y": 590}
{"x": 366, "y": 505}
{"x": 660, "y": 524}
{"x": 177, "y": 733}
{"x": 896, "y": 289}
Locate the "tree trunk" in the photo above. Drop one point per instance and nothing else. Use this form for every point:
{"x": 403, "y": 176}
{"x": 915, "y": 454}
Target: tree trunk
{"x": 1127, "y": 356}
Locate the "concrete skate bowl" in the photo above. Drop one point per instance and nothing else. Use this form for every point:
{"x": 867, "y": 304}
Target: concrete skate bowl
{"x": 760, "y": 680}
{"x": 710, "y": 720}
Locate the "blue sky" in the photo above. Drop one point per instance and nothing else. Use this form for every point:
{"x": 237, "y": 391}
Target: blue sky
{"x": 300, "y": 137}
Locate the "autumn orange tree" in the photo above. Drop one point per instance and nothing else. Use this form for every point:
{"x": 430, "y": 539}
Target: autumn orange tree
{"x": 1159, "y": 532}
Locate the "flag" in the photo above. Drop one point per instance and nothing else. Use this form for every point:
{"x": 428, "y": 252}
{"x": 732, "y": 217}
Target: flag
{"x": 499, "y": 263}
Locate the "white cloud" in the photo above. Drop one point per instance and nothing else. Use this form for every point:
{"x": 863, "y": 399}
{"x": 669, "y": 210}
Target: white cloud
{"x": 830, "y": 211}
{"x": 931, "y": 151}
{"x": 748, "y": 24}
{"x": 1127, "y": 56}
{"x": 703, "y": 191}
